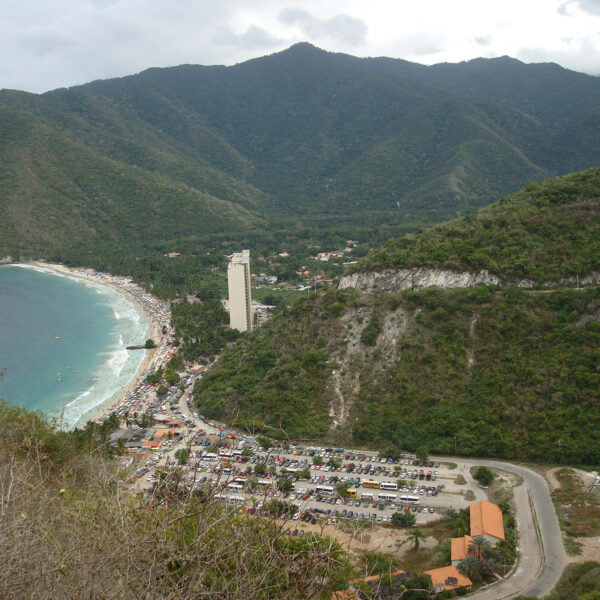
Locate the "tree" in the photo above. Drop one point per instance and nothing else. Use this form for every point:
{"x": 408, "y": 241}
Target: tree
{"x": 171, "y": 377}
{"x": 404, "y": 518}
{"x": 284, "y": 485}
{"x": 390, "y": 451}
{"x": 303, "y": 474}
{"x": 342, "y": 489}
{"x": 317, "y": 460}
{"x": 484, "y": 476}
{"x": 260, "y": 469}
{"x": 422, "y": 453}
{"x": 182, "y": 456}
{"x": 265, "y": 442}
{"x": 479, "y": 547}
{"x": 149, "y": 343}
{"x": 334, "y": 464}
{"x": 417, "y": 536}
{"x": 471, "y": 568}
{"x": 162, "y": 390}
{"x": 417, "y": 587}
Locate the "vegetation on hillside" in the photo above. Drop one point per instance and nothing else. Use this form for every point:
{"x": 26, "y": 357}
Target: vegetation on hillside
{"x": 506, "y": 373}
{"x": 67, "y": 530}
{"x": 299, "y": 136}
{"x": 547, "y": 232}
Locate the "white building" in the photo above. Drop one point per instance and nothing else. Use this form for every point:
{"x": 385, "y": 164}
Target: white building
{"x": 238, "y": 280}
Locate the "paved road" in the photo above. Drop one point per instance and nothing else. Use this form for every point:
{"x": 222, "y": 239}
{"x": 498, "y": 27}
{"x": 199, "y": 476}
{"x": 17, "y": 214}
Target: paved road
{"x": 540, "y": 566}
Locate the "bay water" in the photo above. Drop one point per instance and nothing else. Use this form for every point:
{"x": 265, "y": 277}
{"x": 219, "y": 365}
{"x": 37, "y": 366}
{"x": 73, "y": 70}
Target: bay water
{"x": 63, "y": 343}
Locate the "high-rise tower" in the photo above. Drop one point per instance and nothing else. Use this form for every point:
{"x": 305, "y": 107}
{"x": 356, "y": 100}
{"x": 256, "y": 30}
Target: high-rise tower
{"x": 238, "y": 280}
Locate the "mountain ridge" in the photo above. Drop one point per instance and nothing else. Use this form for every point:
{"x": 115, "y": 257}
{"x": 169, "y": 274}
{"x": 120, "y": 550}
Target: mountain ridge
{"x": 309, "y": 134}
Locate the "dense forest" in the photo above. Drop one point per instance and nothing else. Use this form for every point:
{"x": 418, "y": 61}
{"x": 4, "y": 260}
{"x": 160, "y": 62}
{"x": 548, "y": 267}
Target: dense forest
{"x": 300, "y": 141}
{"x": 547, "y": 232}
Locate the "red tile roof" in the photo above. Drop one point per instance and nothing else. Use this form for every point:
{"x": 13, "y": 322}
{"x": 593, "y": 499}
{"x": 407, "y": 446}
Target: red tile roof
{"x": 486, "y": 518}
{"x": 448, "y": 578}
{"x": 460, "y": 547}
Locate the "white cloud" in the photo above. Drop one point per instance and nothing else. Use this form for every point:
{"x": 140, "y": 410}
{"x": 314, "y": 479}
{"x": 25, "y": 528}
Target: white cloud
{"x": 590, "y": 7}
{"x": 342, "y": 27}
{"x": 44, "y": 45}
{"x": 483, "y": 40}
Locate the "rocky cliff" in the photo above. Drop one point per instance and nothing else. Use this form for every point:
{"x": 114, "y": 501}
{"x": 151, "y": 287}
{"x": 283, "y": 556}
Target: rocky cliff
{"x": 396, "y": 280}
{"x": 393, "y": 280}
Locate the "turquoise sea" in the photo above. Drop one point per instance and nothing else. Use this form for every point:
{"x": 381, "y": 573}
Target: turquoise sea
{"x": 62, "y": 343}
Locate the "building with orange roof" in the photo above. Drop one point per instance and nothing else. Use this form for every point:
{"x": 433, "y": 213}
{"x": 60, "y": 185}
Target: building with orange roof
{"x": 448, "y": 578}
{"x": 459, "y": 548}
{"x": 164, "y": 433}
{"x": 378, "y": 590}
{"x": 151, "y": 445}
{"x": 486, "y": 520}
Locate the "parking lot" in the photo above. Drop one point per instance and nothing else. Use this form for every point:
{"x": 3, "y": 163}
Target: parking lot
{"x": 241, "y": 472}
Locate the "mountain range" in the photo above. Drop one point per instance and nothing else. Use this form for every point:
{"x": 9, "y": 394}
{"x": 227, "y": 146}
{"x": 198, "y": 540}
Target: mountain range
{"x": 303, "y": 136}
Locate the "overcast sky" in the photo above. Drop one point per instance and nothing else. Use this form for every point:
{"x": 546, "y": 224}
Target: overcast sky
{"x": 48, "y": 44}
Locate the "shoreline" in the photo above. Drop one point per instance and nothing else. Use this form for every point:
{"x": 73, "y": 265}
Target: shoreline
{"x": 156, "y": 311}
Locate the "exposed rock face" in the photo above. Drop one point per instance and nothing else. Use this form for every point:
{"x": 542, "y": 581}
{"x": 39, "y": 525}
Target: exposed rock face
{"x": 393, "y": 280}
{"x": 396, "y": 280}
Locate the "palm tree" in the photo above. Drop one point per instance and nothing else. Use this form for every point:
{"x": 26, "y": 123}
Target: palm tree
{"x": 479, "y": 547}
{"x": 471, "y": 568}
{"x": 416, "y": 535}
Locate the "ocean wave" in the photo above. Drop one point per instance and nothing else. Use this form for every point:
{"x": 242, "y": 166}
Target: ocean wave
{"x": 80, "y": 397}
{"x": 40, "y": 269}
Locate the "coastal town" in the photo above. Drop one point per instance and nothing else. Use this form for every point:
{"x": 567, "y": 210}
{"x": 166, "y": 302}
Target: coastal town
{"x": 360, "y": 497}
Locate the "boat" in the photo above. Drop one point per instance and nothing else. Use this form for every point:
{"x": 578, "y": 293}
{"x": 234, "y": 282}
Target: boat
{"x": 57, "y": 337}
{"x": 58, "y": 376}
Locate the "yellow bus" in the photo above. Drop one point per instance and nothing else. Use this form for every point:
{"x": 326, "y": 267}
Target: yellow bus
{"x": 351, "y": 492}
{"x": 371, "y": 484}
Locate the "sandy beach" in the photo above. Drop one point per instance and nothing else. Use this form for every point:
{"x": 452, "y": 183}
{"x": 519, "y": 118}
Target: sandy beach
{"x": 159, "y": 319}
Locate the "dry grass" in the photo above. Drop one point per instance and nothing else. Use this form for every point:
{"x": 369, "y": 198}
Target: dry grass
{"x": 580, "y": 508}
{"x": 67, "y": 531}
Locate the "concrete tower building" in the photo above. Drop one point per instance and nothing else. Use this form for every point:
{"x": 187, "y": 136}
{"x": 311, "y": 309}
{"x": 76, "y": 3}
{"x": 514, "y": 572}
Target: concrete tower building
{"x": 238, "y": 279}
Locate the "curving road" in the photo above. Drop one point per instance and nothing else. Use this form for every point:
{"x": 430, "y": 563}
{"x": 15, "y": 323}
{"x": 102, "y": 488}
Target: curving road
{"x": 542, "y": 556}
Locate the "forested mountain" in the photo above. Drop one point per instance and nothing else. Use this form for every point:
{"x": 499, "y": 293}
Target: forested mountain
{"x": 299, "y": 135}
{"x": 547, "y": 232}
{"x": 489, "y": 370}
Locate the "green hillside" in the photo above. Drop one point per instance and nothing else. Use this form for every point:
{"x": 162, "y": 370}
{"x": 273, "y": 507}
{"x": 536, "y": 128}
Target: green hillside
{"x": 57, "y": 191}
{"x": 305, "y": 137}
{"x": 547, "y": 232}
{"x": 503, "y": 371}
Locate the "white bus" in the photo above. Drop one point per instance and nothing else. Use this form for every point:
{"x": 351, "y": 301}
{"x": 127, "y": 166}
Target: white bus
{"x": 265, "y": 482}
{"x": 324, "y": 489}
{"x": 387, "y": 497}
{"x": 238, "y": 487}
{"x": 366, "y": 496}
{"x": 410, "y": 499}
{"x": 388, "y": 485}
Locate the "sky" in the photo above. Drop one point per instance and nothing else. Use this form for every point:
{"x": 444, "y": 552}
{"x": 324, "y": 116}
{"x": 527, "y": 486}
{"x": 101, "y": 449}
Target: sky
{"x": 45, "y": 45}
